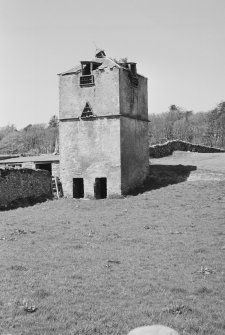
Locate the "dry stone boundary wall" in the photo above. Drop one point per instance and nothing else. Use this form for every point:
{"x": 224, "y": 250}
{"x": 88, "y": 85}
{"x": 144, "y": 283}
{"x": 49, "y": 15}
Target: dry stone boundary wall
{"x": 23, "y": 187}
{"x": 166, "y": 149}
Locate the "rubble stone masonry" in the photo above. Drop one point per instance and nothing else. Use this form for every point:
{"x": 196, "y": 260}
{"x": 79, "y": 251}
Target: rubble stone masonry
{"x": 22, "y": 187}
{"x": 166, "y": 149}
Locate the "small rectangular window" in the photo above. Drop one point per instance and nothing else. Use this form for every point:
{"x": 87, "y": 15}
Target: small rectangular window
{"x": 87, "y": 80}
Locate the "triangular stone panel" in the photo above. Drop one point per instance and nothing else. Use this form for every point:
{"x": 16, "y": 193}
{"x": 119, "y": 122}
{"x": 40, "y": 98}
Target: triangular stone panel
{"x": 87, "y": 111}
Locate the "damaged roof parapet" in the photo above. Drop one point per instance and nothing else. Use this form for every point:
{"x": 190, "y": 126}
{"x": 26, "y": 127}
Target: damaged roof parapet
{"x": 101, "y": 62}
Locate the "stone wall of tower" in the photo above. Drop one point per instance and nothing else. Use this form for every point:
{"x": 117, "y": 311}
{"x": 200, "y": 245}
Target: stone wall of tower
{"x": 134, "y": 154}
{"x": 133, "y": 100}
{"x": 90, "y": 149}
{"x": 103, "y": 97}
{"x": 134, "y": 132}
{"x": 114, "y": 143}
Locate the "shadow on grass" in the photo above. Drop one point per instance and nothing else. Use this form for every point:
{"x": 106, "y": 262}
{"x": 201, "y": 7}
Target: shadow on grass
{"x": 164, "y": 175}
{"x": 24, "y": 202}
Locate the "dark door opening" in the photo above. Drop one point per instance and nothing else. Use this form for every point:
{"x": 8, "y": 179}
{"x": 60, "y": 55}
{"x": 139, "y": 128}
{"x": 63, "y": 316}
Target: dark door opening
{"x": 78, "y": 188}
{"x": 46, "y": 166}
{"x": 100, "y": 188}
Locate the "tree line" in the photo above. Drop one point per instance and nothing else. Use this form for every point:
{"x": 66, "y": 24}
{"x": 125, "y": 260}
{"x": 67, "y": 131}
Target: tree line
{"x": 32, "y": 140}
{"x": 206, "y": 128}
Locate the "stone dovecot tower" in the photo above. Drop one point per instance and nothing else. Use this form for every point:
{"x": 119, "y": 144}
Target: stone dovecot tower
{"x": 103, "y": 113}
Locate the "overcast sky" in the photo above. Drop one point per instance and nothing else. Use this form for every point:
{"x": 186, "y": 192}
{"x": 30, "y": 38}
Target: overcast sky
{"x": 178, "y": 44}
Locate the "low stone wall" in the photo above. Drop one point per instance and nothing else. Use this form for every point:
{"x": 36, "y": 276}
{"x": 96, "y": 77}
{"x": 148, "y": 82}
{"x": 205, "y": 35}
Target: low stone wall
{"x": 166, "y": 149}
{"x": 23, "y": 187}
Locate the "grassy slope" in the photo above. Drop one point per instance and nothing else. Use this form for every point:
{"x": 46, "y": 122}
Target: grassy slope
{"x": 161, "y": 239}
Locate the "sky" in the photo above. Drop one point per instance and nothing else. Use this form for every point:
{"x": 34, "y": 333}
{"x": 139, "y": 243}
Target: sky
{"x": 177, "y": 44}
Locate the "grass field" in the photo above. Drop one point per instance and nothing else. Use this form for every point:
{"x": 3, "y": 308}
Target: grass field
{"x": 104, "y": 267}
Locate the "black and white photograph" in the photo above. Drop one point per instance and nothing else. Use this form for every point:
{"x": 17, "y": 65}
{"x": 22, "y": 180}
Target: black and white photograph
{"x": 112, "y": 167}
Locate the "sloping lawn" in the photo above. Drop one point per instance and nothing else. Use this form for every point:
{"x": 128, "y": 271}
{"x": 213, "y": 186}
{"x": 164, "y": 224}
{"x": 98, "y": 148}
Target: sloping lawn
{"x": 107, "y": 266}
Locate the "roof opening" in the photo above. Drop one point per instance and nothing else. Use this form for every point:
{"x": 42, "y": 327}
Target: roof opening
{"x": 89, "y": 66}
{"x": 100, "y": 53}
{"x": 133, "y": 68}
{"x": 87, "y": 111}
{"x": 133, "y": 74}
{"x": 87, "y": 77}
{"x": 86, "y": 69}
